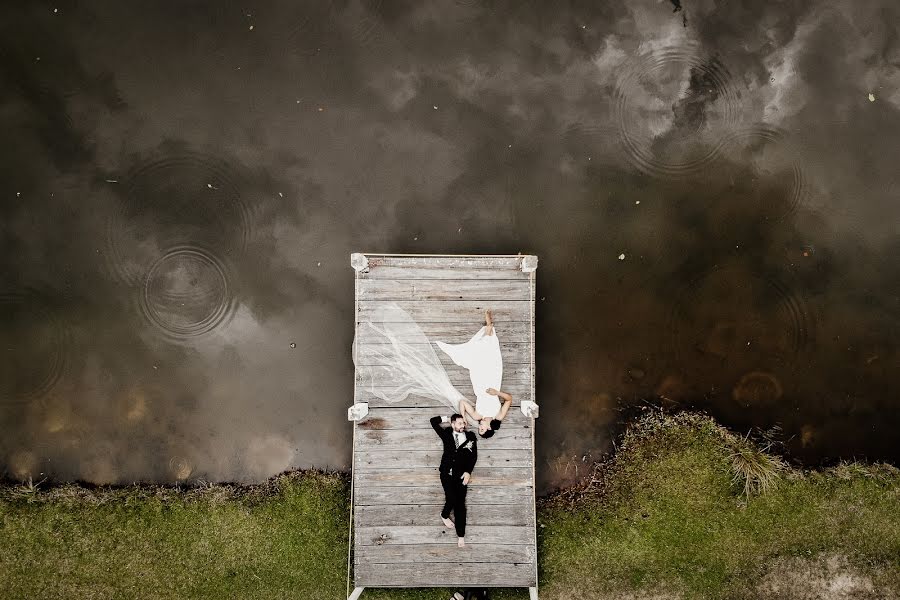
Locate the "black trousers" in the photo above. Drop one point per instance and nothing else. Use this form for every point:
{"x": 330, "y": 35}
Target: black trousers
{"x": 455, "y": 500}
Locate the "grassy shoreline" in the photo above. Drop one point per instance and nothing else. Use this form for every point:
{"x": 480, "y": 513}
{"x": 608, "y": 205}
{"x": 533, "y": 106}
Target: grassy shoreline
{"x": 664, "y": 518}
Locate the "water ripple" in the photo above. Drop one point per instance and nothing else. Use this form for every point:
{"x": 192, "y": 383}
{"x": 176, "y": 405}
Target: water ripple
{"x": 732, "y": 316}
{"x": 186, "y": 198}
{"x": 768, "y": 161}
{"x": 674, "y": 107}
{"x": 186, "y": 293}
{"x": 757, "y": 388}
{"x": 36, "y": 346}
{"x": 180, "y": 468}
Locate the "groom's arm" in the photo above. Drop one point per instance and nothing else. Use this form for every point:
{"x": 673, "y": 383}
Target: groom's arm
{"x": 436, "y": 424}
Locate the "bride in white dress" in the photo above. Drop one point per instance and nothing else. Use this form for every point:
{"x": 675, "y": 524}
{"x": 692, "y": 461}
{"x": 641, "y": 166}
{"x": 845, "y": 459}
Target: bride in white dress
{"x": 481, "y": 356}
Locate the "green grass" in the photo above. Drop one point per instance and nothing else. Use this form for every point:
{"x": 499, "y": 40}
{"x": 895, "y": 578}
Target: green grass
{"x": 271, "y": 541}
{"x": 667, "y": 517}
{"x": 670, "y": 515}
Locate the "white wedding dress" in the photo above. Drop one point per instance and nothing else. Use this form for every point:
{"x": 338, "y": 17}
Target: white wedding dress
{"x": 481, "y": 356}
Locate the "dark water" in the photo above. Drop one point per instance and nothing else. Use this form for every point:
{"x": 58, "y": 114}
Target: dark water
{"x": 712, "y": 190}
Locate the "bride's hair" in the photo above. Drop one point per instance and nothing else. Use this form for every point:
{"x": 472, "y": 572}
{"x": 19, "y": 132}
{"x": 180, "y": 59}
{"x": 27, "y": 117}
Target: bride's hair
{"x": 495, "y": 425}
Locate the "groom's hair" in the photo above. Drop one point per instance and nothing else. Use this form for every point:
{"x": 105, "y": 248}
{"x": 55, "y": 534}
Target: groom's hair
{"x": 455, "y": 417}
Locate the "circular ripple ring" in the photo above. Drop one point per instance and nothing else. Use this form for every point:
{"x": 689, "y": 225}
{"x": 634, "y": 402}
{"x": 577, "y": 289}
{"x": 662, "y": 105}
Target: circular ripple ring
{"x": 186, "y": 309}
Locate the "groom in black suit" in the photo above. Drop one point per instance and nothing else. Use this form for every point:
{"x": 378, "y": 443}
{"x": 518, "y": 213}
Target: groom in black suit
{"x": 457, "y": 462}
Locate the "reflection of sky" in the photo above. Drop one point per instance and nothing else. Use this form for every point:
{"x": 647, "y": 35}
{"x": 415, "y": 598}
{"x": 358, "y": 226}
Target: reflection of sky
{"x": 735, "y": 158}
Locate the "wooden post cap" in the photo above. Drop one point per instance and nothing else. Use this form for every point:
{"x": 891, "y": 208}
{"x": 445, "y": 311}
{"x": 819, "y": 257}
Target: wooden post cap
{"x": 529, "y": 263}
{"x": 357, "y": 411}
{"x": 359, "y": 262}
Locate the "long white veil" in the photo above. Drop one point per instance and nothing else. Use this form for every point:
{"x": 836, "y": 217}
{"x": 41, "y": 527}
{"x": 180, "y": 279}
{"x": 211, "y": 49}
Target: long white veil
{"x": 394, "y": 360}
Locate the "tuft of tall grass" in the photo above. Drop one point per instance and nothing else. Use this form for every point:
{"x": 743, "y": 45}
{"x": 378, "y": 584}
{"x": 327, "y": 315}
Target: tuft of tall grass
{"x": 27, "y": 490}
{"x": 754, "y": 467}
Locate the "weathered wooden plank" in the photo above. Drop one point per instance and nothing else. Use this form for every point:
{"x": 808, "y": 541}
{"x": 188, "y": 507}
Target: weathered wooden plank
{"x": 453, "y": 311}
{"x": 425, "y": 272}
{"x": 419, "y": 402}
{"x": 380, "y": 376}
{"x": 416, "y": 574}
{"x": 511, "y": 476}
{"x": 406, "y": 459}
{"x": 446, "y": 261}
{"x": 434, "y": 494}
{"x": 434, "y": 267}
{"x": 379, "y": 354}
{"x": 452, "y": 333}
{"x": 419, "y": 515}
{"x": 419, "y": 418}
{"x": 519, "y": 393}
{"x": 514, "y": 374}
{"x": 435, "y": 534}
{"x": 443, "y": 289}
{"x": 446, "y": 553}
{"x": 505, "y": 438}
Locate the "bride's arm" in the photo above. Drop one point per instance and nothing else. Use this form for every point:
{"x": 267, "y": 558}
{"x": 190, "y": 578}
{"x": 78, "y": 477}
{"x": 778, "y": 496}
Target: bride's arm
{"x": 507, "y": 402}
{"x": 466, "y": 409}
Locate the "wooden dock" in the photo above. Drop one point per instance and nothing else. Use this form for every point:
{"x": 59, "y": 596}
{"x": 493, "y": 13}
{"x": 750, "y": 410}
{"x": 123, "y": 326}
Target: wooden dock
{"x": 397, "y": 536}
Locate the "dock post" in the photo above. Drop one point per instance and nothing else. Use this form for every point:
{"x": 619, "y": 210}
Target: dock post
{"x": 357, "y": 411}
{"x": 359, "y": 262}
{"x": 529, "y": 409}
{"x": 357, "y": 592}
{"x": 529, "y": 263}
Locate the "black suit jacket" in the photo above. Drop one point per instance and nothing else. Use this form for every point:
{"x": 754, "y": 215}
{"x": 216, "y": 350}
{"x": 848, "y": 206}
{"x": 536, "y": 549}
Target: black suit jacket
{"x": 456, "y": 462}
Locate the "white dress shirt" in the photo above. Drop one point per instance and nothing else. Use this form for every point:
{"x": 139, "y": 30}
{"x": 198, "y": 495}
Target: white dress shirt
{"x": 458, "y": 436}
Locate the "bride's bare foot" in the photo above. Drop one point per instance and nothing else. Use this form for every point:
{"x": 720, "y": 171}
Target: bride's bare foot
{"x": 447, "y": 522}
{"x": 461, "y": 542}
